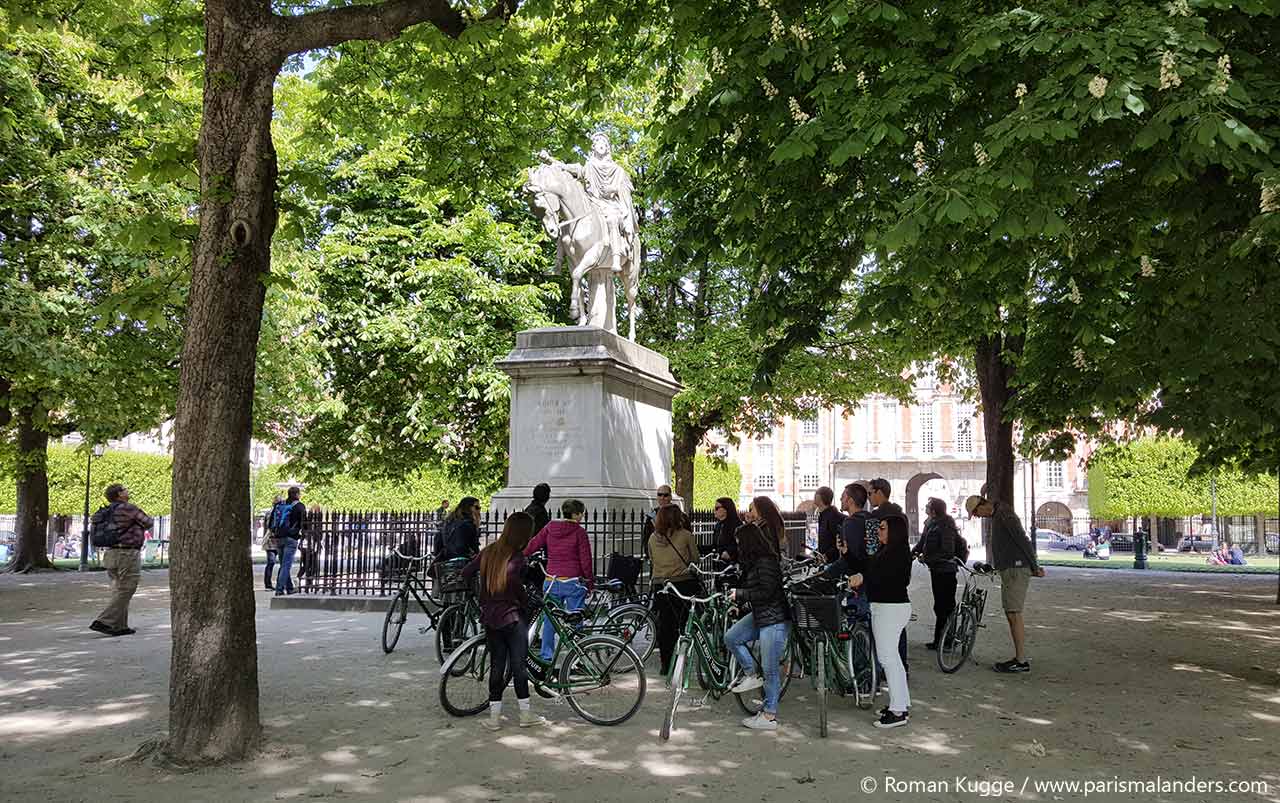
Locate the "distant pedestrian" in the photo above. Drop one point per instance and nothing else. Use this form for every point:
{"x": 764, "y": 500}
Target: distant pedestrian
{"x": 443, "y": 512}
{"x": 271, "y": 543}
{"x": 1014, "y": 558}
{"x": 122, "y": 526}
{"x": 538, "y": 507}
{"x": 460, "y": 534}
{"x": 288, "y": 531}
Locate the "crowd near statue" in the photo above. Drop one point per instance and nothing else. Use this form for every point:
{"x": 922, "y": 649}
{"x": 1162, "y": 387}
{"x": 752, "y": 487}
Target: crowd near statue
{"x": 595, "y": 229}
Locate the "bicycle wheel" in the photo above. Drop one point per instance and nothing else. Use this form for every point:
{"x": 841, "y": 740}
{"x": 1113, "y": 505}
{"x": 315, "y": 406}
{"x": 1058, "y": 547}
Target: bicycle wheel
{"x": 603, "y": 680}
{"x": 454, "y": 626}
{"x": 820, "y": 680}
{"x": 957, "y": 640}
{"x": 677, "y": 690}
{"x": 636, "y": 626}
{"x": 464, "y": 689}
{"x": 862, "y": 666}
{"x": 752, "y": 701}
{"x": 394, "y": 623}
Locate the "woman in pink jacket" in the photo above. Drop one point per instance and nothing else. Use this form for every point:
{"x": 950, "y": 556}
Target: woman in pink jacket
{"x": 569, "y": 572}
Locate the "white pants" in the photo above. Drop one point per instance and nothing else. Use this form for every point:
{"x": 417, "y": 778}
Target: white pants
{"x": 888, "y": 620}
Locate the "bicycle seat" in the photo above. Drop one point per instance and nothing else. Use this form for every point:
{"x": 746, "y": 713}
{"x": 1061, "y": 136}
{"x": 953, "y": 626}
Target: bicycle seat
{"x": 570, "y": 617}
{"x": 608, "y": 585}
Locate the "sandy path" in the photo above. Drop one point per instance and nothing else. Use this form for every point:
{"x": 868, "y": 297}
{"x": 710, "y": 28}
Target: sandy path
{"x": 1135, "y": 675}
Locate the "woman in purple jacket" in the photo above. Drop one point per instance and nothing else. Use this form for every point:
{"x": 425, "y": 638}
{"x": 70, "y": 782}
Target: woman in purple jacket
{"x": 569, "y": 572}
{"x": 502, "y": 605}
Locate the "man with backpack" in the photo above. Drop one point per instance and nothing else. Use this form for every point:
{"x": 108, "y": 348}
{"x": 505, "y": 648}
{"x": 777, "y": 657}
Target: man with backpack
{"x": 288, "y": 530}
{"x": 120, "y": 528}
{"x": 270, "y": 542}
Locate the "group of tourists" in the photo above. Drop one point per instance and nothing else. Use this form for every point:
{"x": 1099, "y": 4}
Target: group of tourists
{"x": 865, "y": 540}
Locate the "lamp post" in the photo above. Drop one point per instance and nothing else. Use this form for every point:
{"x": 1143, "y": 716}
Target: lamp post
{"x": 97, "y": 451}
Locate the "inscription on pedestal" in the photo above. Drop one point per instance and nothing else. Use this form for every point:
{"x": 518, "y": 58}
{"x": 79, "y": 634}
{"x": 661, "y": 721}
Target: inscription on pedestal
{"x": 558, "y": 429}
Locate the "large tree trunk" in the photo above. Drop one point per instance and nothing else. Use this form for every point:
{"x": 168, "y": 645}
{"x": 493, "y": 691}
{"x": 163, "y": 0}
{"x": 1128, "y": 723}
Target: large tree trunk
{"x": 213, "y": 701}
{"x": 32, "y": 529}
{"x": 686, "y": 439}
{"x": 992, "y": 358}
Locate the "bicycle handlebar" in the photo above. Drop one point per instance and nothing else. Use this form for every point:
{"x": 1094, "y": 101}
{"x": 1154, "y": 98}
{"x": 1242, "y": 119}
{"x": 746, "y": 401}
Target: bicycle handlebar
{"x": 669, "y": 588}
{"x": 731, "y": 569}
{"x": 412, "y": 558}
{"x": 979, "y": 568}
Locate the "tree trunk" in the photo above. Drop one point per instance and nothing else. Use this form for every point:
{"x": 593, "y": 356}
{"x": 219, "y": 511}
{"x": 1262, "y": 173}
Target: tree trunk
{"x": 994, "y": 373}
{"x": 213, "y": 699}
{"x": 686, "y": 439}
{"x": 32, "y": 529}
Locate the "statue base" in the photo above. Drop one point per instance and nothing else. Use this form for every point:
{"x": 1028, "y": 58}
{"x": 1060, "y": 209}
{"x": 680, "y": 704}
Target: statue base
{"x": 590, "y": 416}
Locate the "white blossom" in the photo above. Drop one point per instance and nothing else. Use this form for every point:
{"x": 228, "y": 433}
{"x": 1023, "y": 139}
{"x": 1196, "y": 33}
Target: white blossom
{"x": 1169, "y": 77}
{"x": 921, "y": 164}
{"x": 770, "y": 90}
{"x": 858, "y": 187}
{"x": 1270, "y": 199}
{"x": 1078, "y": 359}
{"x": 717, "y": 60}
{"x": 801, "y": 33}
{"x": 1073, "y": 292}
{"x": 829, "y": 178}
{"x": 1020, "y": 92}
{"x": 1148, "y": 266}
{"x": 776, "y": 29}
{"x": 1098, "y": 86}
{"x": 862, "y": 80}
{"x": 798, "y": 114}
{"x": 980, "y": 153}
{"x": 1223, "y": 77}
{"x": 1179, "y": 8}
{"x": 837, "y": 64}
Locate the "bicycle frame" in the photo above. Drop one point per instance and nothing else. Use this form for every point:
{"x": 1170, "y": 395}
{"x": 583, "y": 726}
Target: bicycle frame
{"x": 567, "y": 638}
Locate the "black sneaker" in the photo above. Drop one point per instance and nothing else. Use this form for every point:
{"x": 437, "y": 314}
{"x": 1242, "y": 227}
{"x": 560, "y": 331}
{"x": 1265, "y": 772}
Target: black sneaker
{"x": 1012, "y": 666}
{"x": 888, "y": 719}
{"x": 98, "y": 627}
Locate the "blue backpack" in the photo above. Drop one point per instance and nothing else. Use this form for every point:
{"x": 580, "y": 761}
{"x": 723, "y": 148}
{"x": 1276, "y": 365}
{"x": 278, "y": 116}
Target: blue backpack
{"x": 280, "y": 519}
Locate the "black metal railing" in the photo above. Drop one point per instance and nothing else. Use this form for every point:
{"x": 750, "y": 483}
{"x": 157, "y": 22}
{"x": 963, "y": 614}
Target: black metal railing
{"x": 349, "y": 553}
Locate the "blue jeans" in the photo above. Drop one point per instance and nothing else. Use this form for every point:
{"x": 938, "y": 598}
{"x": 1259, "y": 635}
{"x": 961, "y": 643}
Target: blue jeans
{"x": 571, "y": 595}
{"x": 773, "y": 639}
{"x": 284, "y": 583}
{"x": 271, "y": 564}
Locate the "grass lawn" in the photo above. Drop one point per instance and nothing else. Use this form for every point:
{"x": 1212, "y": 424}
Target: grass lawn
{"x": 1181, "y": 562}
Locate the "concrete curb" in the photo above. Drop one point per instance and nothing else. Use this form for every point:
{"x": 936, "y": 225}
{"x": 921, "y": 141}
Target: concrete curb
{"x": 320, "y": 602}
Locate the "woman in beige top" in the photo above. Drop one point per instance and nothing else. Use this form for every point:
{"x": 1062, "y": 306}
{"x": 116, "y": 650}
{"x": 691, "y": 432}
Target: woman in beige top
{"x": 671, "y": 550}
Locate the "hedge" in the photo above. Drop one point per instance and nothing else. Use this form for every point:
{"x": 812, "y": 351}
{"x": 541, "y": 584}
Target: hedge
{"x": 1152, "y": 476}
{"x": 149, "y": 478}
{"x": 711, "y": 481}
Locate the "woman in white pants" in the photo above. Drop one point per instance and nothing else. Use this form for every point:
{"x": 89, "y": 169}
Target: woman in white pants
{"x": 886, "y": 578}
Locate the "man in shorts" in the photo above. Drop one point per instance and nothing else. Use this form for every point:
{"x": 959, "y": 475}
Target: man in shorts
{"x": 1014, "y": 558}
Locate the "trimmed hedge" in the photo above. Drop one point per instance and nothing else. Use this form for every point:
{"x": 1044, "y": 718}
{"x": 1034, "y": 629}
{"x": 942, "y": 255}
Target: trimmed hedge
{"x": 1152, "y": 476}
{"x": 149, "y": 478}
{"x": 711, "y": 481}
{"x": 424, "y": 491}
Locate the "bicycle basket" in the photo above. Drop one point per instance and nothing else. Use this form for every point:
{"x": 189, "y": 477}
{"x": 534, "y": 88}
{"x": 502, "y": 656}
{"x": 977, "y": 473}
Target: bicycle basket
{"x": 452, "y": 584}
{"x": 816, "y": 612}
{"x": 625, "y": 568}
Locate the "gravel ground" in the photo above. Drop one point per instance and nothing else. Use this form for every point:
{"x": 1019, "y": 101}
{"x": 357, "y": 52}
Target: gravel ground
{"x": 1137, "y": 676}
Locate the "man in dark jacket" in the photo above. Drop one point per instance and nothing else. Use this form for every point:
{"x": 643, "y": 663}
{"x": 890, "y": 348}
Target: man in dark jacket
{"x": 1013, "y": 556}
{"x": 288, "y": 532}
{"x": 123, "y": 561}
{"x": 830, "y": 523}
{"x": 538, "y": 507}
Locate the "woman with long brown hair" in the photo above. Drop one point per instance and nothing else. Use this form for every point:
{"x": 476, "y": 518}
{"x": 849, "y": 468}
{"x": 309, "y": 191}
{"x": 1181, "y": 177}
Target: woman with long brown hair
{"x": 503, "y": 601}
{"x": 764, "y": 513}
{"x": 886, "y": 577}
{"x": 671, "y": 550}
{"x": 761, "y": 587}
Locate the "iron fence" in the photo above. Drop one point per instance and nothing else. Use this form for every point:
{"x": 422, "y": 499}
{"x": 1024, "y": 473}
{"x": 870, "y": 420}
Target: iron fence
{"x": 348, "y": 553}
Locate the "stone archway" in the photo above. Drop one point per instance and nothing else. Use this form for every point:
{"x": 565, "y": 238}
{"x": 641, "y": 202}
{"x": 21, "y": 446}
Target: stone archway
{"x": 912, "y": 498}
{"x": 1054, "y": 516}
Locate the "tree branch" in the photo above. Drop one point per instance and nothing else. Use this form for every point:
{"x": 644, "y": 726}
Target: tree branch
{"x": 382, "y": 22}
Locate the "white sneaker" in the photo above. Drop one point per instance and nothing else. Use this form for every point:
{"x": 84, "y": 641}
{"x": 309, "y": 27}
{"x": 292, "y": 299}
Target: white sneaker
{"x": 493, "y": 722}
{"x": 747, "y": 683}
{"x": 528, "y": 719}
{"x": 760, "y": 723}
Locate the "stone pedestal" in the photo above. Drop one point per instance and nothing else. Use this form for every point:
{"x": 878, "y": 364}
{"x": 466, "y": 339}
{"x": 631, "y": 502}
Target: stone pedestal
{"x": 591, "y": 416}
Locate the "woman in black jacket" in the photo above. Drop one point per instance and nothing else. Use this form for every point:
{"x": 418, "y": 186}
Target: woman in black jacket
{"x": 723, "y": 543}
{"x": 937, "y": 550}
{"x": 887, "y": 576}
{"x": 761, "y": 586}
{"x": 459, "y": 536}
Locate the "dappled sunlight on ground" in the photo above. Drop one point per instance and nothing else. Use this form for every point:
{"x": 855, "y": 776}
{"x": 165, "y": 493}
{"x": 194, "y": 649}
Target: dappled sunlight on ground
{"x": 1130, "y": 677}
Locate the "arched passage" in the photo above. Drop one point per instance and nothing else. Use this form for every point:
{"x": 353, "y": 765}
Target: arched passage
{"x": 1054, "y": 516}
{"x": 912, "y": 498}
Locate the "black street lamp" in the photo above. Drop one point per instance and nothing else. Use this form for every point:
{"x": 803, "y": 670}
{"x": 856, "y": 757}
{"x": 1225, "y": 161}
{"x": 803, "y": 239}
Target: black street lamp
{"x": 96, "y": 451}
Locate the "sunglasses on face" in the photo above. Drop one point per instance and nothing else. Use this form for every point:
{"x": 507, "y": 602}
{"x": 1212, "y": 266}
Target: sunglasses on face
{"x": 666, "y": 495}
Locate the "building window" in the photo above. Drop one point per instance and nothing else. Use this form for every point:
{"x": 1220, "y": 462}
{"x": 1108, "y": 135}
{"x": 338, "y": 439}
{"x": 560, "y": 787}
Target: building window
{"x": 1053, "y": 475}
{"x": 809, "y": 466}
{"x": 927, "y": 444}
{"x": 964, "y": 429}
{"x": 764, "y": 466}
{"x": 809, "y": 426}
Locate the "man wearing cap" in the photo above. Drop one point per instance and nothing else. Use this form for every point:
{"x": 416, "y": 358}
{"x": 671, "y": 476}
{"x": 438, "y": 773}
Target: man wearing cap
{"x": 122, "y": 560}
{"x": 1015, "y": 560}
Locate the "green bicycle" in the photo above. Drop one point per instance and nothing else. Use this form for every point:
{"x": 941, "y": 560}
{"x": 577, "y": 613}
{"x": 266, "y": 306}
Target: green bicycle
{"x": 598, "y": 675}
{"x": 834, "y": 646}
{"x": 702, "y": 643}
